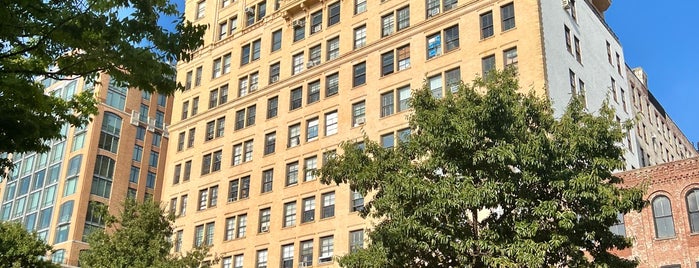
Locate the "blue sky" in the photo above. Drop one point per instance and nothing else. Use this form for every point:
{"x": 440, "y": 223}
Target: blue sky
{"x": 660, "y": 37}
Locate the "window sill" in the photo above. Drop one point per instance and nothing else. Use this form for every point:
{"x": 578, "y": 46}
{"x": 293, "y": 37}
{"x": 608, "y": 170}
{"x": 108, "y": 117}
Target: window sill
{"x": 666, "y": 238}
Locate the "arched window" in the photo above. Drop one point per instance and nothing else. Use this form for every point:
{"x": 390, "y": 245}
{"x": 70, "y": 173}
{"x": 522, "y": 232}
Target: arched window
{"x": 111, "y": 129}
{"x": 102, "y": 176}
{"x": 662, "y": 216}
{"x": 693, "y": 209}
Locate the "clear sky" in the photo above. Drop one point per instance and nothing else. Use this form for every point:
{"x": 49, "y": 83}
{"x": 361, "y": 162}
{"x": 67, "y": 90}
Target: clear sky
{"x": 661, "y": 37}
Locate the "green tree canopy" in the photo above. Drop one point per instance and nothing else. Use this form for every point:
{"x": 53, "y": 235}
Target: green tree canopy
{"x": 489, "y": 178}
{"x": 139, "y": 237}
{"x": 79, "y": 38}
{"x": 19, "y": 248}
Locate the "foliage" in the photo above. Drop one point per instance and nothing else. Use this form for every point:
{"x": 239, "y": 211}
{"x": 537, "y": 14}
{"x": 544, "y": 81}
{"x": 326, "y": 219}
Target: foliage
{"x": 489, "y": 178}
{"x": 19, "y": 248}
{"x": 139, "y": 237}
{"x": 81, "y": 37}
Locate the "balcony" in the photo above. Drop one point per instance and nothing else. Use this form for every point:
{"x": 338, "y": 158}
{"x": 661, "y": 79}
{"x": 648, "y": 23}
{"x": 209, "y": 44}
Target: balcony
{"x": 602, "y": 5}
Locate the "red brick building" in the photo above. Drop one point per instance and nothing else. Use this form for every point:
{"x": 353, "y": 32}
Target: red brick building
{"x": 666, "y": 232}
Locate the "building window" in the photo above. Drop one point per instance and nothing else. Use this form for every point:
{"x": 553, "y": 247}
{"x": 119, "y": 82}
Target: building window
{"x": 572, "y": 81}
{"x": 356, "y": 240}
{"x": 209, "y": 239}
{"x": 177, "y": 174}
{"x": 387, "y": 25}
{"x": 229, "y": 232}
{"x": 265, "y": 215}
{"x": 247, "y": 156}
{"x": 609, "y": 53}
{"x": 199, "y": 235}
{"x": 178, "y": 241}
{"x": 187, "y": 170}
{"x": 276, "y": 40}
{"x": 693, "y": 210}
{"x": 578, "y": 54}
{"x": 387, "y": 140}
{"x": 326, "y": 249}
{"x": 306, "y": 253}
{"x": 111, "y": 129}
{"x": 310, "y": 165}
{"x": 294, "y": 135}
{"x": 292, "y": 173}
{"x": 333, "y": 13}
{"x": 332, "y": 84}
{"x": 242, "y": 226}
{"x": 312, "y": 129}
{"x": 300, "y": 29}
{"x": 183, "y": 205}
{"x": 510, "y": 58}
{"x": 328, "y": 205}
{"x": 331, "y": 123}
{"x": 211, "y": 162}
{"x": 288, "y": 256}
{"x": 356, "y": 202}
{"x": 190, "y": 141}
{"x": 195, "y": 105}
{"x": 486, "y": 20}
{"x": 619, "y": 228}
{"x": 507, "y": 12}
{"x": 387, "y": 104}
{"x": 267, "y": 180}
{"x": 239, "y": 189}
{"x": 333, "y": 46}
{"x": 662, "y": 215}
{"x": 245, "y": 117}
{"x": 309, "y": 209}
{"x": 201, "y": 8}
{"x": 270, "y": 143}
{"x": 359, "y": 6}
{"x": 296, "y": 98}
{"x": 272, "y": 107}
{"x": 488, "y": 64}
{"x": 289, "y": 214}
{"x": 116, "y": 95}
{"x": 359, "y": 74}
{"x": 359, "y": 37}
{"x": 250, "y": 52}
{"x": 314, "y": 56}
{"x": 102, "y": 176}
{"x": 238, "y": 261}
{"x": 358, "y": 111}
{"x": 274, "y": 73}
{"x": 435, "y": 83}
{"x": 313, "y": 92}
{"x": 261, "y": 261}
{"x": 316, "y": 21}
{"x": 135, "y": 173}
{"x": 569, "y": 46}
{"x": 188, "y": 81}
{"x": 297, "y": 63}
{"x": 197, "y": 79}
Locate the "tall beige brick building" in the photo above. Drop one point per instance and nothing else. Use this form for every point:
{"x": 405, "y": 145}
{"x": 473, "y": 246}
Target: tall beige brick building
{"x": 279, "y": 84}
{"x": 119, "y": 154}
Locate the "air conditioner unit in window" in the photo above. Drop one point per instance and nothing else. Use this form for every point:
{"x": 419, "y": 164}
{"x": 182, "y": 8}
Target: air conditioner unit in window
{"x": 433, "y": 12}
{"x": 151, "y": 124}
{"x": 250, "y": 10}
{"x": 274, "y": 79}
{"x": 298, "y": 23}
{"x": 253, "y": 87}
{"x": 322, "y": 259}
{"x": 359, "y": 121}
{"x": 166, "y": 132}
{"x": 566, "y": 4}
{"x": 310, "y": 64}
{"x": 264, "y": 229}
{"x": 134, "y": 118}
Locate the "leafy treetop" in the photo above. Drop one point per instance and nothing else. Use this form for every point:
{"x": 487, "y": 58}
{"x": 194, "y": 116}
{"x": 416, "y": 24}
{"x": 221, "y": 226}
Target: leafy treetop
{"x": 489, "y": 178}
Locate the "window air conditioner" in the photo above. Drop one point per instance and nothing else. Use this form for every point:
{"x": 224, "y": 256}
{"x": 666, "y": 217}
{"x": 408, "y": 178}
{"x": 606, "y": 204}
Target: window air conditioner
{"x": 359, "y": 121}
{"x": 250, "y": 10}
{"x": 298, "y": 23}
{"x": 134, "y": 118}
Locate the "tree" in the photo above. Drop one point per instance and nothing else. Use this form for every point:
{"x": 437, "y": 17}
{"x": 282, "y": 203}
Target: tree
{"x": 80, "y": 38}
{"x": 19, "y": 248}
{"x": 138, "y": 237}
{"x": 489, "y": 178}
